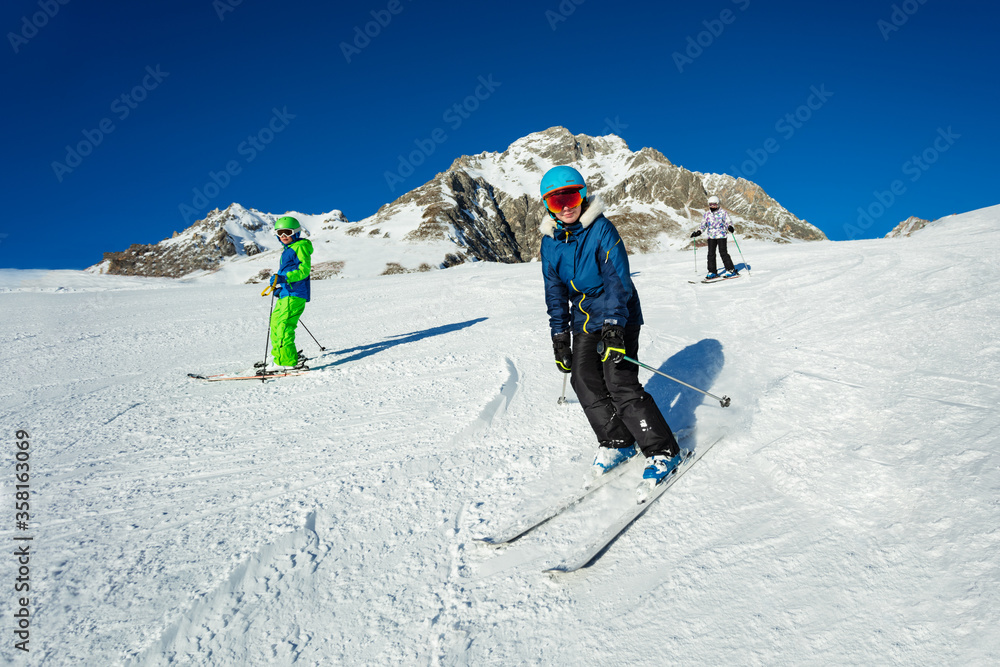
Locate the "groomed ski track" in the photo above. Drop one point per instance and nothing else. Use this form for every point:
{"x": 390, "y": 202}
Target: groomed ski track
{"x": 849, "y": 516}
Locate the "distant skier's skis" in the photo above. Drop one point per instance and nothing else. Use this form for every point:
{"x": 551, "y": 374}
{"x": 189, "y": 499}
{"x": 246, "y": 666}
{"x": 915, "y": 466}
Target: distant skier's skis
{"x": 714, "y": 280}
{"x": 531, "y": 519}
{"x": 584, "y": 555}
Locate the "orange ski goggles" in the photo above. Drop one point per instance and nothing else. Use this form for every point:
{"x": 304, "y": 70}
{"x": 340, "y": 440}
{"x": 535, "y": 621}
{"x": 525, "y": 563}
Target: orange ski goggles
{"x": 557, "y": 201}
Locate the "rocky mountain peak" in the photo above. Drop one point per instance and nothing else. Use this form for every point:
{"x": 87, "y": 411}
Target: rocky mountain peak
{"x": 488, "y": 203}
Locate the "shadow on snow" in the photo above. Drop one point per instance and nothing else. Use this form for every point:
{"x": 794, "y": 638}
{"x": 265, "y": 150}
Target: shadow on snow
{"x": 698, "y": 365}
{"x": 362, "y": 351}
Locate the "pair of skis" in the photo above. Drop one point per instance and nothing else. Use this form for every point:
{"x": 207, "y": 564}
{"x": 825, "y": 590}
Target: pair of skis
{"x": 587, "y": 552}
{"x": 720, "y": 279}
{"x": 259, "y": 373}
{"x": 265, "y": 375}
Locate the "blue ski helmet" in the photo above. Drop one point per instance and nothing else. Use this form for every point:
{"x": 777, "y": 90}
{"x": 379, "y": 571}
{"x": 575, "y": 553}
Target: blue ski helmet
{"x": 558, "y": 178}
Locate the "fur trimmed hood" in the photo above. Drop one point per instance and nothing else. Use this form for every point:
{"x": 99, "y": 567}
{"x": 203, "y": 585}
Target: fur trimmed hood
{"x": 594, "y": 209}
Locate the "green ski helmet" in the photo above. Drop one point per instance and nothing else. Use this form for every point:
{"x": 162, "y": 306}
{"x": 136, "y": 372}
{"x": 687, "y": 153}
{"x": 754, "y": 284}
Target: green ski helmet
{"x": 287, "y": 222}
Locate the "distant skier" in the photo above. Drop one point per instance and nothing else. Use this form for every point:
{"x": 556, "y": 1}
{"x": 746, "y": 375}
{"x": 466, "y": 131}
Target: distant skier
{"x": 589, "y": 293}
{"x": 717, "y": 222}
{"x": 291, "y": 286}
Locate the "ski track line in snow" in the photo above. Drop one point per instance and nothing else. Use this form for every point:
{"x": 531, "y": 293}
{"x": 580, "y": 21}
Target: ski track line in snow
{"x": 775, "y": 440}
{"x": 826, "y": 379}
{"x": 134, "y": 405}
{"x": 955, "y": 404}
{"x": 952, "y": 378}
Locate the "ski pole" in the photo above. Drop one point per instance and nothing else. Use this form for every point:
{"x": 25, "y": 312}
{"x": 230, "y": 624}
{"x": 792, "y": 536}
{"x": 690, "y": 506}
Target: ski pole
{"x": 695, "y": 244}
{"x": 562, "y": 399}
{"x": 321, "y": 348}
{"x": 741, "y": 252}
{"x": 268, "y": 340}
{"x": 724, "y": 400}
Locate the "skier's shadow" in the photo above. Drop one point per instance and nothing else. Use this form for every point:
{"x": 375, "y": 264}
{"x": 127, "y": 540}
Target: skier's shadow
{"x": 362, "y": 351}
{"x": 698, "y": 365}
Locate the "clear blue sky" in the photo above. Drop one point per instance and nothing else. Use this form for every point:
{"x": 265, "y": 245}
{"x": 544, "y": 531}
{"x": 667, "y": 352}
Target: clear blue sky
{"x": 853, "y": 115}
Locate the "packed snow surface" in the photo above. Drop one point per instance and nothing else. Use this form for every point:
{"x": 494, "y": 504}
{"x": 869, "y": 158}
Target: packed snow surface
{"x": 849, "y": 515}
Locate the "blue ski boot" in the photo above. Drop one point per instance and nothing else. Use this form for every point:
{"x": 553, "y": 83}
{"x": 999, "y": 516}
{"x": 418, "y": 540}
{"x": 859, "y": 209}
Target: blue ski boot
{"x": 659, "y": 468}
{"x": 610, "y": 457}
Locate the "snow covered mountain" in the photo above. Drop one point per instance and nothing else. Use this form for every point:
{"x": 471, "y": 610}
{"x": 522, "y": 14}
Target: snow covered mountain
{"x": 483, "y": 208}
{"x": 849, "y": 515}
{"x": 204, "y": 246}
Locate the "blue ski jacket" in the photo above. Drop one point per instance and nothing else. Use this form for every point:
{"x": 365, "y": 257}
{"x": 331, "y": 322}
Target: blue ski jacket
{"x": 295, "y": 266}
{"x": 586, "y": 272}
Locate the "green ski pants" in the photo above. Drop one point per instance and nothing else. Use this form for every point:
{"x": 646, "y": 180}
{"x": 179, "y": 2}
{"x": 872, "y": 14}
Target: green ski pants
{"x": 284, "y": 319}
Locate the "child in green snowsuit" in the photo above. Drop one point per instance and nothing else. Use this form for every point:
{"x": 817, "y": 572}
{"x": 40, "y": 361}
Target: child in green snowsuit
{"x": 291, "y": 286}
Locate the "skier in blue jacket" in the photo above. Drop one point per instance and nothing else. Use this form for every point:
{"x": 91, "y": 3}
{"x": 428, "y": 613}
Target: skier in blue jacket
{"x": 594, "y": 317}
{"x": 291, "y": 286}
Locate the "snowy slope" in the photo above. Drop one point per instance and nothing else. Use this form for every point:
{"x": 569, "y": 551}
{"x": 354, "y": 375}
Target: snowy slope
{"x": 849, "y": 516}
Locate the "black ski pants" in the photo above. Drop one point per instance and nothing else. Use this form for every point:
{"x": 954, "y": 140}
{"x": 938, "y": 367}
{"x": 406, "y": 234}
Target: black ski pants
{"x": 617, "y": 407}
{"x": 723, "y": 253}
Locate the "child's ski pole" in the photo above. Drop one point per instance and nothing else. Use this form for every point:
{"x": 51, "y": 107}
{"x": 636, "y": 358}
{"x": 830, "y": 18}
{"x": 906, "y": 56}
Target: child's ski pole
{"x": 321, "y": 348}
{"x": 741, "y": 253}
{"x": 268, "y": 340}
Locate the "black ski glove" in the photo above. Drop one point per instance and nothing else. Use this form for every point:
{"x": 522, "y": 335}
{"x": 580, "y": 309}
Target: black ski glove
{"x": 612, "y": 345}
{"x": 563, "y": 347}
{"x": 695, "y": 233}
{"x": 731, "y": 228}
